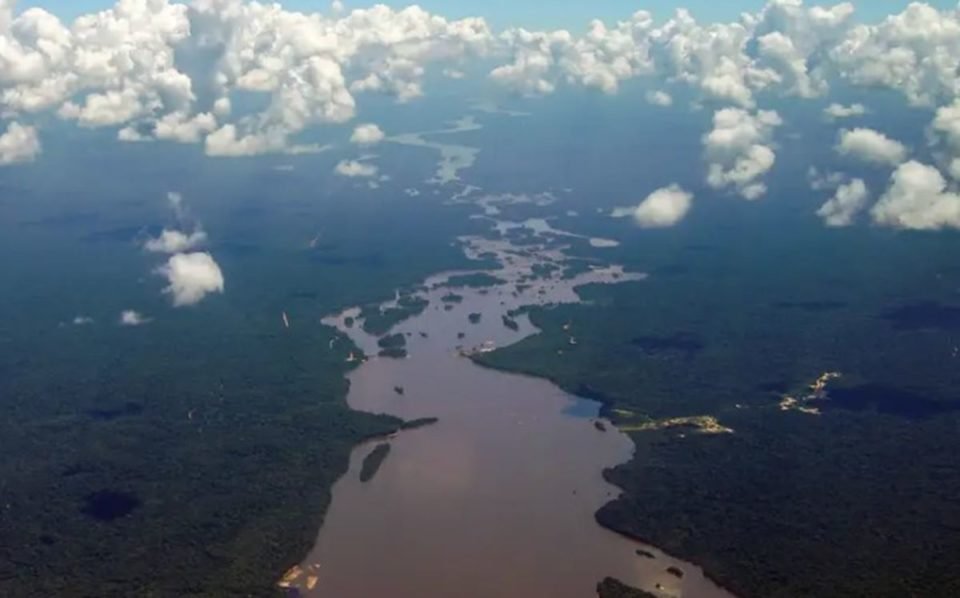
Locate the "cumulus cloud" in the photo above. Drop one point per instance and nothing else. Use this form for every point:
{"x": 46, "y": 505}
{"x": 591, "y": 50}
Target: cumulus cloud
{"x": 871, "y": 146}
{"x": 739, "y": 150}
{"x": 191, "y": 277}
{"x": 663, "y": 208}
{"x": 918, "y": 199}
{"x": 848, "y": 201}
{"x": 954, "y": 169}
{"x": 945, "y": 131}
{"x": 174, "y": 241}
{"x": 822, "y": 181}
{"x": 18, "y": 144}
{"x": 914, "y": 52}
{"x": 368, "y": 134}
{"x": 125, "y": 66}
{"x": 355, "y": 168}
{"x": 946, "y": 122}
{"x": 131, "y": 317}
{"x": 659, "y": 98}
{"x": 130, "y": 66}
{"x": 837, "y": 111}
{"x": 82, "y": 321}
{"x": 228, "y": 142}
{"x": 783, "y": 48}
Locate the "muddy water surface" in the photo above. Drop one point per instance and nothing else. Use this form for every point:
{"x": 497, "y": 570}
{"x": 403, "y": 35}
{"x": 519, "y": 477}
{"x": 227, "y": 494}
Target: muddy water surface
{"x": 498, "y": 498}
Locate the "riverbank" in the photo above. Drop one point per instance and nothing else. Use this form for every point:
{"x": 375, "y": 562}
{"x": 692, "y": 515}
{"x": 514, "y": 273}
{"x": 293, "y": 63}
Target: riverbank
{"x": 484, "y": 458}
{"x": 774, "y": 505}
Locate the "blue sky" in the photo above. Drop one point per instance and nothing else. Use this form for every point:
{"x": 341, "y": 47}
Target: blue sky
{"x": 571, "y": 14}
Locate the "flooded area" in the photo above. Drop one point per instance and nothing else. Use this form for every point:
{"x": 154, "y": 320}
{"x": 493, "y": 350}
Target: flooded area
{"x": 497, "y": 498}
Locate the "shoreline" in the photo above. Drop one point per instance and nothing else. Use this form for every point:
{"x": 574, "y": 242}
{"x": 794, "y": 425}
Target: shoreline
{"x": 517, "y": 262}
{"x": 606, "y": 412}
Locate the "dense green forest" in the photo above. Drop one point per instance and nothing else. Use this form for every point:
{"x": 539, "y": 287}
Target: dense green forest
{"x": 857, "y": 501}
{"x": 192, "y": 455}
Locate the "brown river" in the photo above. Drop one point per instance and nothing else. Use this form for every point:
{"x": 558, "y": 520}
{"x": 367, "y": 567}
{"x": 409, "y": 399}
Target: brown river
{"x": 497, "y": 499}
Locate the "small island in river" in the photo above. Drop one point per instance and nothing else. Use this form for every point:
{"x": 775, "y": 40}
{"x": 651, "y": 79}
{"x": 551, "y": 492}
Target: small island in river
{"x": 373, "y": 461}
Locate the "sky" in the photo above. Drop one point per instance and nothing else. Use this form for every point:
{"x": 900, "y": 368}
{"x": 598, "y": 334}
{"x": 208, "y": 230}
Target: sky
{"x": 568, "y": 14}
{"x": 262, "y": 81}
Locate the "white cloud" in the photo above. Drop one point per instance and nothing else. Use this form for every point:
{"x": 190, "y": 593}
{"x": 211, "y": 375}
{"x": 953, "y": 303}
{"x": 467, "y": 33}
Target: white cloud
{"x": 663, "y": 208}
{"x": 947, "y": 123}
{"x": 781, "y": 49}
{"x": 871, "y": 146}
{"x": 174, "y": 241}
{"x": 837, "y": 111}
{"x": 918, "y": 199}
{"x": 824, "y": 181}
{"x": 739, "y": 150}
{"x": 124, "y": 66}
{"x": 133, "y": 318}
{"x": 18, "y": 144}
{"x": 355, "y": 168}
{"x": 226, "y": 142}
{"x": 181, "y": 128}
{"x": 368, "y": 134}
{"x": 945, "y": 131}
{"x": 913, "y": 52}
{"x": 175, "y": 200}
{"x": 659, "y": 98}
{"x": 848, "y": 201}
{"x": 82, "y": 321}
{"x": 954, "y": 169}
{"x": 191, "y": 277}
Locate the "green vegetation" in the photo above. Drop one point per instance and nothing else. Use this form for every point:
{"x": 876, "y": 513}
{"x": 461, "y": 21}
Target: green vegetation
{"x": 452, "y": 298}
{"x": 377, "y": 322}
{"x": 611, "y": 588}
{"x": 511, "y": 323}
{"x": 192, "y": 456}
{"x": 573, "y": 268}
{"x": 219, "y": 480}
{"x": 544, "y": 270}
{"x": 858, "y": 501}
{"x": 393, "y": 346}
{"x": 475, "y": 318}
{"x": 372, "y": 462}
{"x": 419, "y": 423}
{"x": 477, "y": 280}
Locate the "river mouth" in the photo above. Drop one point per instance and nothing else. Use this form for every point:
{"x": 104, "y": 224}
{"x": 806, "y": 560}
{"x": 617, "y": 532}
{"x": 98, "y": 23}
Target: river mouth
{"x": 497, "y": 498}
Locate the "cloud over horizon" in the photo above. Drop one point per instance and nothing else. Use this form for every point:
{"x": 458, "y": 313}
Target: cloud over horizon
{"x": 168, "y": 71}
{"x": 138, "y": 67}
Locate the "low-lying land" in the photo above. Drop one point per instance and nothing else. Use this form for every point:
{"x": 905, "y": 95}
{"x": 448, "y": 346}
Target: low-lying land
{"x": 853, "y": 498}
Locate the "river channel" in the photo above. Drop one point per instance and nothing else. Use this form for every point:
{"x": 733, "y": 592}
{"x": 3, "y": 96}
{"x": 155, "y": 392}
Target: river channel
{"x": 497, "y": 498}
